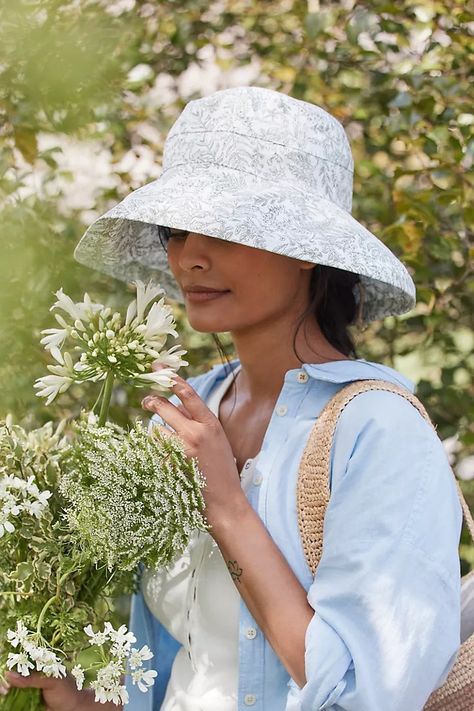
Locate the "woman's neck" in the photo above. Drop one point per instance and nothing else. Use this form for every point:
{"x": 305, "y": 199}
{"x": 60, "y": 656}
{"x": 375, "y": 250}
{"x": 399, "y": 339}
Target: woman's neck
{"x": 267, "y": 355}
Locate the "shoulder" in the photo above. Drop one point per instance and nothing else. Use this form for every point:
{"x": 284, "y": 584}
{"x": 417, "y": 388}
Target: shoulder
{"x": 386, "y": 421}
{"x": 205, "y": 381}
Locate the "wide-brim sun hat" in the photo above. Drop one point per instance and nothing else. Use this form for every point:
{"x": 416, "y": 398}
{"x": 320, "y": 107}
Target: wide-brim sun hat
{"x": 260, "y": 168}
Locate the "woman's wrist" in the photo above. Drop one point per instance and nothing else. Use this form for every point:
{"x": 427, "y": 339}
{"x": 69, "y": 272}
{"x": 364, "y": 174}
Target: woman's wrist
{"x": 230, "y": 516}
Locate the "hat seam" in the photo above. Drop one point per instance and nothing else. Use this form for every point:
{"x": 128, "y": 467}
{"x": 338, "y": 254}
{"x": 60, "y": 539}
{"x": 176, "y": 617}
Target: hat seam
{"x": 254, "y": 175}
{"x": 266, "y": 140}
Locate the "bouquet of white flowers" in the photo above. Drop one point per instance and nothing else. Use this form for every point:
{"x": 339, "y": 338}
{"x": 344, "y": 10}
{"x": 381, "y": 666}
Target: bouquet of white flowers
{"x": 78, "y": 513}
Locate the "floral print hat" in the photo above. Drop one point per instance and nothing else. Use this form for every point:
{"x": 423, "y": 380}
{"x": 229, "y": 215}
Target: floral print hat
{"x": 254, "y": 166}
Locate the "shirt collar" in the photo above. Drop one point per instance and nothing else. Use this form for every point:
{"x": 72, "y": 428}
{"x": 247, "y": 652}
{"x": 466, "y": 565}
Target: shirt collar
{"x": 344, "y": 371}
{"x": 339, "y": 371}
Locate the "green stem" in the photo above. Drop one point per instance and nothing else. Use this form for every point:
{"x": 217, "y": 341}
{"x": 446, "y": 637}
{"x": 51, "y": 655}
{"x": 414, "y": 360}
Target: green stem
{"x": 22, "y": 700}
{"x": 104, "y": 408}
{"x": 52, "y": 600}
{"x": 99, "y": 397}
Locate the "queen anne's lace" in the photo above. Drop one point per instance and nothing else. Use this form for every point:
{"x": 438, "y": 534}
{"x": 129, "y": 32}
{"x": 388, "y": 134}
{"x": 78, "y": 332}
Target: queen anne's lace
{"x": 133, "y": 497}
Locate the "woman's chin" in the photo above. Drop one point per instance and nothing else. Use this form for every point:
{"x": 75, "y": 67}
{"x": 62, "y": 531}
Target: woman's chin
{"x": 207, "y": 323}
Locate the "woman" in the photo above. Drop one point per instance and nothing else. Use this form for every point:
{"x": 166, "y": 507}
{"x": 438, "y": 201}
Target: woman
{"x": 253, "y": 210}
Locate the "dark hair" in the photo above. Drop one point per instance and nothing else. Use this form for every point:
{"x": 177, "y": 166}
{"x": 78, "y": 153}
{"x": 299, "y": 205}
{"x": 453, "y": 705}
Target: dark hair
{"x": 332, "y": 302}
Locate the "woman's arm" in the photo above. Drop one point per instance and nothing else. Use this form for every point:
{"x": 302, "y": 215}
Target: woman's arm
{"x": 270, "y": 589}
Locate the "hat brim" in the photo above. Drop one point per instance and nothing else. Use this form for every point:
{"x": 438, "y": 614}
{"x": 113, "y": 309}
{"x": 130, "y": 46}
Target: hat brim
{"x": 216, "y": 201}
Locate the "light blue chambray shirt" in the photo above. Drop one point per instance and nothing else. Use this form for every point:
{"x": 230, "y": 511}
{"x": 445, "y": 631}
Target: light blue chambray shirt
{"x": 386, "y": 593}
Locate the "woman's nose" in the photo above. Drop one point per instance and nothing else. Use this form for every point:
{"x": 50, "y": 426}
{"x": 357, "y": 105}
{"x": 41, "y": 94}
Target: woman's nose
{"x": 195, "y": 252}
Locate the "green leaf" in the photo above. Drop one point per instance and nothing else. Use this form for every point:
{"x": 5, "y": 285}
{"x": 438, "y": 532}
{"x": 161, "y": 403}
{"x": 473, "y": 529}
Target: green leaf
{"x": 22, "y": 572}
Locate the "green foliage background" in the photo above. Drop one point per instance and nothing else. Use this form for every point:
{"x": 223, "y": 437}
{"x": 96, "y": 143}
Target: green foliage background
{"x": 397, "y": 75}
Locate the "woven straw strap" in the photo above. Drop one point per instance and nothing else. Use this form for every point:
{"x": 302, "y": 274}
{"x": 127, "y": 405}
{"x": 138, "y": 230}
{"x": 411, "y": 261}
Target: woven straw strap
{"x": 312, "y": 491}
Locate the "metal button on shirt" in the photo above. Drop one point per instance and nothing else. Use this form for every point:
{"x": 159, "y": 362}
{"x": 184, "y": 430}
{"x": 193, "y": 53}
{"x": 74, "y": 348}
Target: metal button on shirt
{"x": 281, "y": 410}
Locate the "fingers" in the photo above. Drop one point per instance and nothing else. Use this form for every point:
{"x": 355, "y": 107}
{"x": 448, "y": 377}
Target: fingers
{"x": 196, "y": 407}
{"x": 34, "y": 680}
{"x": 167, "y": 411}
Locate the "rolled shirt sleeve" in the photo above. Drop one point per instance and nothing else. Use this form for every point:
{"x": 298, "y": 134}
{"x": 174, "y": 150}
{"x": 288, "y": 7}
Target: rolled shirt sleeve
{"x": 386, "y": 593}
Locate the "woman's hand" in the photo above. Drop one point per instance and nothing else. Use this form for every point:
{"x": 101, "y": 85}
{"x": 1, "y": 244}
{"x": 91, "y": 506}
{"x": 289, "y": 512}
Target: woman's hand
{"x": 58, "y": 694}
{"x": 204, "y": 438}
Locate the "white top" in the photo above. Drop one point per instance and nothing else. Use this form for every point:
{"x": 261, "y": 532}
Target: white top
{"x": 197, "y": 602}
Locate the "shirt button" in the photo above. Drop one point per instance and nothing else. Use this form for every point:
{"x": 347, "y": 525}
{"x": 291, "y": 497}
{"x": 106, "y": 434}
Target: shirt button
{"x": 249, "y": 699}
{"x": 250, "y": 632}
{"x": 247, "y": 463}
{"x": 257, "y": 480}
{"x": 302, "y": 377}
{"x": 281, "y": 410}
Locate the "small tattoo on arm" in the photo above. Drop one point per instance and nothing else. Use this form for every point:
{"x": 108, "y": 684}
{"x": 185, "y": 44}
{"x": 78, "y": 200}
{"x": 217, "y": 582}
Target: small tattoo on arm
{"x": 235, "y": 570}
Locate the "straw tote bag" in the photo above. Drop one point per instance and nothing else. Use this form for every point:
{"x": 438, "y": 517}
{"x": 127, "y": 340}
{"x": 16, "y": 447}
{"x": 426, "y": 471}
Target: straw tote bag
{"x": 457, "y": 692}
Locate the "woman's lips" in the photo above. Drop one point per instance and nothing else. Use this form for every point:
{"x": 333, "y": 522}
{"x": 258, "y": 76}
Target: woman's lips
{"x": 197, "y": 296}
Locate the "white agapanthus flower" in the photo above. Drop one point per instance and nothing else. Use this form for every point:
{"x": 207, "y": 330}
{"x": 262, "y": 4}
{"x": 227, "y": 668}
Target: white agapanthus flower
{"x": 107, "y": 343}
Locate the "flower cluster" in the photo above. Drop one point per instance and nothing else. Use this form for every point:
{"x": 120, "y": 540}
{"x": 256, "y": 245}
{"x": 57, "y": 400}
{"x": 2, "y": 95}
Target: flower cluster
{"x": 32, "y": 654}
{"x": 107, "y": 343}
{"x": 17, "y": 496}
{"x": 133, "y": 497}
{"x": 121, "y": 658}
{"x": 87, "y": 508}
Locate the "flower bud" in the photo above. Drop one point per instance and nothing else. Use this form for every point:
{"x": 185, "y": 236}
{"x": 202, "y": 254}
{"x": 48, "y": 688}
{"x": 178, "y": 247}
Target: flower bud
{"x": 96, "y": 337}
{"x": 112, "y": 358}
{"x": 79, "y": 325}
{"x": 109, "y": 333}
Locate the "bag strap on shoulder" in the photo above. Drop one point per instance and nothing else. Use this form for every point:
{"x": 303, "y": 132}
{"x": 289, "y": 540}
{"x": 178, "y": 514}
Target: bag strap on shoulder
{"x": 312, "y": 491}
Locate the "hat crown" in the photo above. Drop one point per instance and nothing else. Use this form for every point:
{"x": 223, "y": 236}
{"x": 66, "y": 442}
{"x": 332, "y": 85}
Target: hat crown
{"x": 268, "y": 135}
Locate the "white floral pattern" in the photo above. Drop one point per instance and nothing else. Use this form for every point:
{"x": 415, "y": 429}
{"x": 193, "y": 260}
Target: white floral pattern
{"x": 254, "y": 166}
